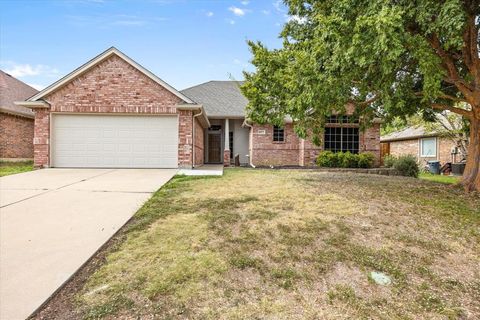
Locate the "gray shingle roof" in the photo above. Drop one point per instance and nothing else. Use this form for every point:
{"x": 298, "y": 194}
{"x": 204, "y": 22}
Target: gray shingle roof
{"x": 219, "y": 98}
{"x": 12, "y": 90}
{"x": 407, "y": 133}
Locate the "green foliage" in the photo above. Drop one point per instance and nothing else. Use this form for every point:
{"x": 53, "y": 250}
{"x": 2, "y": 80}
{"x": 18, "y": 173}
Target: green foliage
{"x": 379, "y": 55}
{"x": 349, "y": 160}
{"x": 407, "y": 166}
{"x": 327, "y": 159}
{"x": 389, "y": 161}
{"x": 366, "y": 160}
{"x": 345, "y": 160}
{"x": 439, "y": 178}
{"x": 7, "y": 167}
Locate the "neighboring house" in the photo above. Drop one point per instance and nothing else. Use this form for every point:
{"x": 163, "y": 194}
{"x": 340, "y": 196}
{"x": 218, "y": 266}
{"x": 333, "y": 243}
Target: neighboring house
{"x": 416, "y": 141}
{"x": 16, "y": 122}
{"x": 112, "y": 112}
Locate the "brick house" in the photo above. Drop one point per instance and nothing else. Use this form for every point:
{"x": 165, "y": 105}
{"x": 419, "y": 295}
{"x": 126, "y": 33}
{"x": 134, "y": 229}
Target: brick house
{"x": 16, "y": 122}
{"x": 423, "y": 145}
{"x": 112, "y": 112}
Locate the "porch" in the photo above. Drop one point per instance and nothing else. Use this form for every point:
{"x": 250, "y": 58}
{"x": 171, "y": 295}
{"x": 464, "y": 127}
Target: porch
{"x": 226, "y": 142}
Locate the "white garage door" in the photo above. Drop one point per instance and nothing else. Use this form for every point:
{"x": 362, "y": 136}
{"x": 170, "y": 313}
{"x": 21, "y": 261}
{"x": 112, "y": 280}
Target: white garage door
{"x": 114, "y": 141}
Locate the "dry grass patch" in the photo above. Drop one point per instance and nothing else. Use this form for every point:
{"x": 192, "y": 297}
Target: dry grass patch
{"x": 294, "y": 245}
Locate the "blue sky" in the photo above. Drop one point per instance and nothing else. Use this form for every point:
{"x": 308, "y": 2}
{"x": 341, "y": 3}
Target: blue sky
{"x": 184, "y": 42}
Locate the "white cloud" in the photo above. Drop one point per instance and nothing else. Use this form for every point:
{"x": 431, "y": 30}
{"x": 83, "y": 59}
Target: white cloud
{"x": 231, "y": 21}
{"x": 245, "y": 2}
{"x": 266, "y": 12}
{"x": 236, "y": 61}
{"x": 209, "y": 14}
{"x": 237, "y": 11}
{"x": 296, "y": 18}
{"x": 37, "y": 86}
{"x": 25, "y": 70}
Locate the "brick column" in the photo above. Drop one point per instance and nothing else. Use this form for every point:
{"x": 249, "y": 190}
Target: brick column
{"x": 41, "y": 141}
{"x": 370, "y": 141}
{"x": 185, "y": 139}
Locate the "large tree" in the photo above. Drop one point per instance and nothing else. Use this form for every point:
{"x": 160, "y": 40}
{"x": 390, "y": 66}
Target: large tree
{"x": 387, "y": 57}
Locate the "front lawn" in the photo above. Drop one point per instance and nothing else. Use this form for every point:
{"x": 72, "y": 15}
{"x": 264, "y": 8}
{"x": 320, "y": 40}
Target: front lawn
{"x": 440, "y": 178}
{"x": 287, "y": 244}
{"x": 7, "y": 167}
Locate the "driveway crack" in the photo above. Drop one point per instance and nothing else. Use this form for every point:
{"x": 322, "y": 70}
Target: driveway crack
{"x": 54, "y": 189}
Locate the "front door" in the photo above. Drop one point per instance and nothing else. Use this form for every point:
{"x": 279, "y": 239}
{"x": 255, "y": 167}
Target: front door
{"x": 214, "y": 148}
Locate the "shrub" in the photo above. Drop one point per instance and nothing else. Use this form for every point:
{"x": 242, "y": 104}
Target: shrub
{"x": 407, "y": 166}
{"x": 389, "y": 161}
{"x": 327, "y": 159}
{"x": 366, "y": 160}
{"x": 349, "y": 160}
{"x": 345, "y": 160}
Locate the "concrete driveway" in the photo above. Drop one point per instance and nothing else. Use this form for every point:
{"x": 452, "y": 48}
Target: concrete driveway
{"x": 53, "y": 220}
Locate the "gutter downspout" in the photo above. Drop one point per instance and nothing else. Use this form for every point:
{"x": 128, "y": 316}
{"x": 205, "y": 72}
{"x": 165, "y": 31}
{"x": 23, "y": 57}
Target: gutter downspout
{"x": 193, "y": 136}
{"x": 250, "y": 143}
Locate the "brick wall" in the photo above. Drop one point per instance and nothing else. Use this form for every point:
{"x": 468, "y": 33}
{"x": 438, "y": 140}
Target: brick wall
{"x": 199, "y": 143}
{"x": 370, "y": 141}
{"x": 41, "y": 138}
{"x": 444, "y": 150}
{"x": 226, "y": 158}
{"x": 412, "y": 147}
{"x": 185, "y": 139}
{"x": 310, "y": 153}
{"x": 295, "y": 151}
{"x": 113, "y": 86}
{"x": 266, "y": 152}
{"x": 16, "y": 137}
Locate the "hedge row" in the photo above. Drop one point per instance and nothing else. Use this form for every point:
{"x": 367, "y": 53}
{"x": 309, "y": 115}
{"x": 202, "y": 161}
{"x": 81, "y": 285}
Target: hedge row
{"x": 345, "y": 160}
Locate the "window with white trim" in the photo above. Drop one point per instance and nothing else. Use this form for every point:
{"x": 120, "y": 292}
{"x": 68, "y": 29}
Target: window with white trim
{"x": 428, "y": 147}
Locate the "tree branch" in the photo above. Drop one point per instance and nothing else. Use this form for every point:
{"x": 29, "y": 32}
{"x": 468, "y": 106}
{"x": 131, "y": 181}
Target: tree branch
{"x": 463, "y": 112}
{"x": 444, "y": 96}
{"x": 469, "y": 50}
{"x": 366, "y": 102}
{"x": 450, "y": 67}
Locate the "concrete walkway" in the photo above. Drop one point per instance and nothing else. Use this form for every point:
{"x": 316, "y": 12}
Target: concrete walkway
{"x": 53, "y": 220}
{"x": 204, "y": 170}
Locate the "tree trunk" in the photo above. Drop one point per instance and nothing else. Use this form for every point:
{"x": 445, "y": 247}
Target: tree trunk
{"x": 471, "y": 175}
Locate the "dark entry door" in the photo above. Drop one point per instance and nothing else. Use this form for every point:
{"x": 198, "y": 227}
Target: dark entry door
{"x": 214, "y": 148}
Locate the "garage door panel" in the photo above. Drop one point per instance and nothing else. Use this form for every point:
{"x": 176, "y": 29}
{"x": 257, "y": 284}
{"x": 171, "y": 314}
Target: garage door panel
{"x": 115, "y": 141}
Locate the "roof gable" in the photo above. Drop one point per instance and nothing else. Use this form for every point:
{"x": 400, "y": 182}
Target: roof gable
{"x": 95, "y": 61}
{"x": 219, "y": 98}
